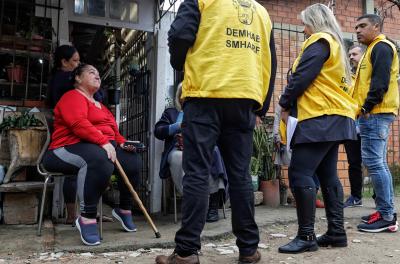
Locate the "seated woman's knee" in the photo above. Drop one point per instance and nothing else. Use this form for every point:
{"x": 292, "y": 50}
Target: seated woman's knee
{"x": 176, "y": 158}
{"x": 97, "y": 158}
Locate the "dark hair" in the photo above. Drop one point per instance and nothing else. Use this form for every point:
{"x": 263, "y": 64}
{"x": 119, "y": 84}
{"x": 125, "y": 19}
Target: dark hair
{"x": 79, "y": 70}
{"x": 63, "y": 52}
{"x": 373, "y": 18}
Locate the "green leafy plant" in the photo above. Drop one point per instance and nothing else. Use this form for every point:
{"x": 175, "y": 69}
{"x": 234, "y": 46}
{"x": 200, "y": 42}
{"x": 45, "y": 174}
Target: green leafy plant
{"x": 23, "y": 121}
{"x": 255, "y": 166}
{"x": 263, "y": 152}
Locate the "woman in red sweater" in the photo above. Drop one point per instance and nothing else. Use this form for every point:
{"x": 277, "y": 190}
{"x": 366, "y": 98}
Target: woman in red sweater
{"x": 86, "y": 142}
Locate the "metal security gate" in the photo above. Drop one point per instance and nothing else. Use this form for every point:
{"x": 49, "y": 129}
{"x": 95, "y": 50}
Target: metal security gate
{"x": 288, "y": 40}
{"x": 135, "y": 103}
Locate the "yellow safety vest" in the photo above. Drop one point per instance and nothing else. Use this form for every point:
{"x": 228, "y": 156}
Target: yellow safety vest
{"x": 282, "y": 132}
{"x": 329, "y": 93}
{"x": 390, "y": 103}
{"x": 230, "y": 57}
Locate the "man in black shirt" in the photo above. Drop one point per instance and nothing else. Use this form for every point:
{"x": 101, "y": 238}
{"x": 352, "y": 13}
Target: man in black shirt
{"x": 353, "y": 147}
{"x": 376, "y": 91}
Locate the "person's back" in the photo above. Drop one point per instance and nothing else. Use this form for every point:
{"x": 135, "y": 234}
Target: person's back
{"x": 227, "y": 51}
{"x": 229, "y": 58}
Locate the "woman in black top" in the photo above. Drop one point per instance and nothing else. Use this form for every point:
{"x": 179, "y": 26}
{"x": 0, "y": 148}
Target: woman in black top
{"x": 317, "y": 137}
{"x": 66, "y": 59}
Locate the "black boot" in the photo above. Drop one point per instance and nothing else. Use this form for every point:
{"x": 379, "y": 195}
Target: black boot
{"x": 305, "y": 208}
{"x": 336, "y": 234}
{"x": 212, "y": 214}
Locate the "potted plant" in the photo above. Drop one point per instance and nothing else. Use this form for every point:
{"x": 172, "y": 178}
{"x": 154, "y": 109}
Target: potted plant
{"x": 40, "y": 30}
{"x": 16, "y": 72}
{"x": 255, "y": 169}
{"x": 283, "y": 187}
{"x": 26, "y": 136}
{"x": 263, "y": 151}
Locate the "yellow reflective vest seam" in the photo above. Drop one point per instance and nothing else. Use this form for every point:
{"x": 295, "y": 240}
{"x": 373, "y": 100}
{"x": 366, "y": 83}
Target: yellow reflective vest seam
{"x": 283, "y": 132}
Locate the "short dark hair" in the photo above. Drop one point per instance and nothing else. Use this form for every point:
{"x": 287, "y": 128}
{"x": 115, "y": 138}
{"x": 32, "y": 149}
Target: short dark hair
{"x": 373, "y": 18}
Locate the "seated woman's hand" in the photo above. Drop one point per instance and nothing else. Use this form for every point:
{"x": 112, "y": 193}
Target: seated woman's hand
{"x": 179, "y": 141}
{"x": 111, "y": 154}
{"x": 128, "y": 147}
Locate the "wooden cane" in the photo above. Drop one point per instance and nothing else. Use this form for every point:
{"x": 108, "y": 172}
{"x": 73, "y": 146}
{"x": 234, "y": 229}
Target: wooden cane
{"x": 136, "y": 198}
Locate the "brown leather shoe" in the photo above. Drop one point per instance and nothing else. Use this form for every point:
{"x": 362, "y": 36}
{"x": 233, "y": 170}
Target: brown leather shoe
{"x": 256, "y": 257}
{"x": 176, "y": 259}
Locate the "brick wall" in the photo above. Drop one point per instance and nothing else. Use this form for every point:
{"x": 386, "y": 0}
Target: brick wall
{"x": 391, "y": 23}
{"x": 289, "y": 36}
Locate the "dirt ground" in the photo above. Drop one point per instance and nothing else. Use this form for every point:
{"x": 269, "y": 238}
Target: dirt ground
{"x": 363, "y": 248}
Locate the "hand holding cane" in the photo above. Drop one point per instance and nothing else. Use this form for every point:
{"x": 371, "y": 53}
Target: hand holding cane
{"x": 136, "y": 198}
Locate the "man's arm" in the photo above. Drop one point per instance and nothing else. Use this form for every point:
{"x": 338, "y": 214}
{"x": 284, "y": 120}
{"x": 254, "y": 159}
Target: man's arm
{"x": 267, "y": 100}
{"x": 381, "y": 59}
{"x": 309, "y": 67}
{"x": 182, "y": 33}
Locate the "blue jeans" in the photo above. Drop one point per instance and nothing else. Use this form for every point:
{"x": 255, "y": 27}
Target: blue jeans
{"x": 374, "y": 136}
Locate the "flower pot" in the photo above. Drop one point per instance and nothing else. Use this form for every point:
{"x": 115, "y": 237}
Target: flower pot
{"x": 270, "y": 191}
{"x": 34, "y": 103}
{"x": 36, "y": 43}
{"x": 254, "y": 182}
{"x": 25, "y": 146}
{"x": 16, "y": 73}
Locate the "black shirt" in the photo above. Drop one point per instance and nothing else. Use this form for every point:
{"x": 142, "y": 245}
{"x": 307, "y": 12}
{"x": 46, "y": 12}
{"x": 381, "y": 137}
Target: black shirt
{"x": 60, "y": 83}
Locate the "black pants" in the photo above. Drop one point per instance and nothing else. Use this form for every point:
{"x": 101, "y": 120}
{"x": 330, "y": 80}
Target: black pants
{"x": 69, "y": 189}
{"x": 228, "y": 123}
{"x": 93, "y": 169}
{"x": 353, "y": 151}
{"x": 309, "y": 159}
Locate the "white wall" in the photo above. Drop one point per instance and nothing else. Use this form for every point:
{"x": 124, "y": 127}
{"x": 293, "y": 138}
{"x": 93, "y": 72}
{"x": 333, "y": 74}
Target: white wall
{"x": 164, "y": 80}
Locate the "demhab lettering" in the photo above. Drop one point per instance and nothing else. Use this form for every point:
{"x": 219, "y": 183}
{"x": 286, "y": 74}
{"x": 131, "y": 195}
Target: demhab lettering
{"x": 242, "y": 44}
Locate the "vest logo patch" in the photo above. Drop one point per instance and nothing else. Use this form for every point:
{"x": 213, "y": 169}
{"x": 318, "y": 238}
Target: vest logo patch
{"x": 245, "y": 9}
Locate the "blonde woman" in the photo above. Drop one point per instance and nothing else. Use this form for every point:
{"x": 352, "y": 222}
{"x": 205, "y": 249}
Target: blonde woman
{"x": 319, "y": 87}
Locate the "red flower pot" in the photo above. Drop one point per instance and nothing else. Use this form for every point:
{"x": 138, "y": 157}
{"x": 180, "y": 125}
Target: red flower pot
{"x": 16, "y": 73}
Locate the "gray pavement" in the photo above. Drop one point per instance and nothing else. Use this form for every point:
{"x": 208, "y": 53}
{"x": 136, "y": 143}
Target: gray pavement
{"x": 22, "y": 239}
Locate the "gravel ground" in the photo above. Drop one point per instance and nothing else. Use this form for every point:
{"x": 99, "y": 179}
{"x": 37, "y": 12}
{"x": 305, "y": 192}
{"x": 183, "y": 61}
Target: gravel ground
{"x": 363, "y": 248}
